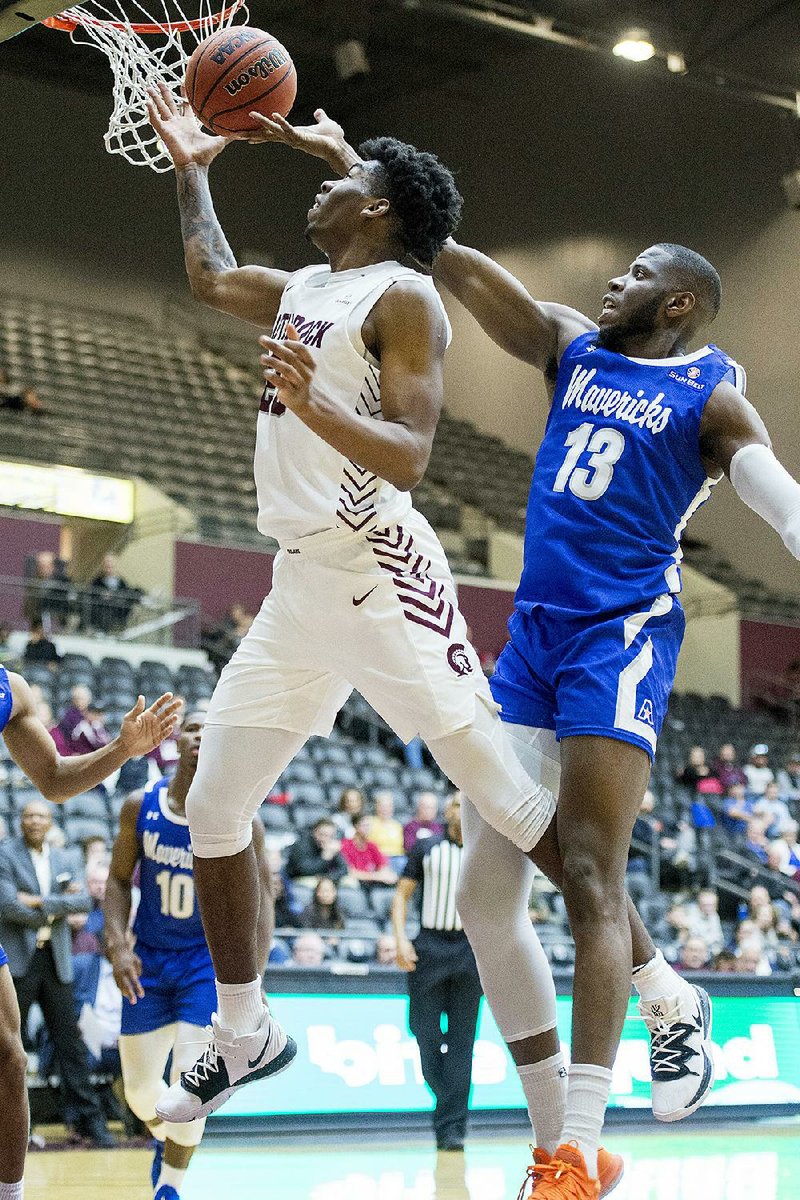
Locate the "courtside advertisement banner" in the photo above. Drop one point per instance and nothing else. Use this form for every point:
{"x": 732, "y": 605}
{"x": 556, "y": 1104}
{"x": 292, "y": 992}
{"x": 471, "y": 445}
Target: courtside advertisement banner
{"x": 356, "y": 1055}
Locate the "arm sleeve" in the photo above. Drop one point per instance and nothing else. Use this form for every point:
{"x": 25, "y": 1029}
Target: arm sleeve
{"x": 768, "y": 488}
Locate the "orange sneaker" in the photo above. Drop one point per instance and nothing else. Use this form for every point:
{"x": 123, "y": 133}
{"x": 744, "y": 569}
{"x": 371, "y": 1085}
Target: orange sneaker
{"x": 610, "y": 1168}
{"x": 562, "y": 1177}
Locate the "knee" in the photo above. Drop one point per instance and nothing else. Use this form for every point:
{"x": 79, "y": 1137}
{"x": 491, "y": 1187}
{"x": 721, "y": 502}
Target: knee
{"x": 141, "y": 1097}
{"x": 592, "y": 887}
{"x": 13, "y": 1062}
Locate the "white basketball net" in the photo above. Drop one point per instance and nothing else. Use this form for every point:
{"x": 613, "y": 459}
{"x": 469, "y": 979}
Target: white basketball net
{"x": 141, "y": 60}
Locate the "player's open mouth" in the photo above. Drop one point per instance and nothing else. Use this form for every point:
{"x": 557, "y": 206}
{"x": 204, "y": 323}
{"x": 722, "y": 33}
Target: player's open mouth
{"x": 609, "y": 304}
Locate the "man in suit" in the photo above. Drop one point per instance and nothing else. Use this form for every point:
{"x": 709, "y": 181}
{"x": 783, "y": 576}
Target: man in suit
{"x": 37, "y": 894}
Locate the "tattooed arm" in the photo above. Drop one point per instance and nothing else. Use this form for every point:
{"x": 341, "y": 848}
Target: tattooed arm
{"x": 250, "y": 293}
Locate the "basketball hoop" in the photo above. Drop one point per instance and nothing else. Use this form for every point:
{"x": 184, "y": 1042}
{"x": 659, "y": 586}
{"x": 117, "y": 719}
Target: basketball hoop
{"x": 138, "y": 64}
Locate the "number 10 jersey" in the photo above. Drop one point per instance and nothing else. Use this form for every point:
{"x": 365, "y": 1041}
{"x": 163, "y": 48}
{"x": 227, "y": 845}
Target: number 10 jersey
{"x": 617, "y": 477}
{"x": 167, "y": 917}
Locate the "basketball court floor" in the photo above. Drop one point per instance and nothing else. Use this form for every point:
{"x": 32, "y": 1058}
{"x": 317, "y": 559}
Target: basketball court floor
{"x": 743, "y": 1162}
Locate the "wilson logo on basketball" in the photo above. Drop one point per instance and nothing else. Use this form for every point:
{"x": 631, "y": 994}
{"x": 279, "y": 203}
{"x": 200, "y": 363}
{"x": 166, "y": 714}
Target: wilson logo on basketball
{"x": 232, "y": 45}
{"x": 458, "y": 659}
{"x": 262, "y": 69}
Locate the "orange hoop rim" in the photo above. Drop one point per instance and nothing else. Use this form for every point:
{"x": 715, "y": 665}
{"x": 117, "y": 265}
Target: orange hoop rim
{"x": 64, "y": 23}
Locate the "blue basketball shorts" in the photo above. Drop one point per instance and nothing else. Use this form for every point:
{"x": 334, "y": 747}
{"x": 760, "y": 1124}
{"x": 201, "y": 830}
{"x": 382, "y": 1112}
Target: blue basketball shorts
{"x": 608, "y": 675}
{"x": 3, "y": 957}
{"x": 178, "y": 986}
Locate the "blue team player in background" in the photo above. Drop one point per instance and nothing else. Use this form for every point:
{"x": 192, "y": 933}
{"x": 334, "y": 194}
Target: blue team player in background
{"x": 640, "y": 429}
{"x": 162, "y": 966}
{"x": 33, "y": 750}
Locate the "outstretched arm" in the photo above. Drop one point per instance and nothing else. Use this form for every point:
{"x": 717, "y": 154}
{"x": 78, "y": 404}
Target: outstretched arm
{"x": 734, "y": 439}
{"x": 249, "y": 293}
{"x": 409, "y": 336}
{"x": 32, "y": 748}
{"x": 535, "y": 332}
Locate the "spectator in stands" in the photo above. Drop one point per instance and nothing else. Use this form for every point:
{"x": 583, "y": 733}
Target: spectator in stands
{"x": 99, "y": 1004}
{"x": 724, "y": 962}
{"x": 694, "y": 955}
{"x": 87, "y": 928}
{"x": 365, "y": 861}
{"x": 50, "y": 593}
{"x": 774, "y": 810}
{"x": 737, "y": 809}
{"x": 784, "y": 853}
{"x": 351, "y": 805}
{"x": 40, "y": 649}
{"x": 316, "y": 852}
{"x": 111, "y": 599}
{"x": 755, "y": 838}
{"x": 81, "y": 726}
{"x": 424, "y": 823}
{"x": 286, "y": 907}
{"x": 387, "y": 832}
{"x": 758, "y": 771}
{"x": 386, "y": 950}
{"x": 37, "y": 894}
{"x": 308, "y": 950}
{"x": 18, "y": 398}
{"x": 703, "y": 920}
{"x": 679, "y": 859}
{"x": 727, "y": 768}
{"x": 322, "y": 911}
{"x": 677, "y": 921}
{"x": 696, "y": 768}
{"x": 788, "y": 779}
{"x": 750, "y": 960}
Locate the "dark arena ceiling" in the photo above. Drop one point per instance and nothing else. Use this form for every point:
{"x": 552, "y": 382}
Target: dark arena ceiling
{"x": 746, "y": 46}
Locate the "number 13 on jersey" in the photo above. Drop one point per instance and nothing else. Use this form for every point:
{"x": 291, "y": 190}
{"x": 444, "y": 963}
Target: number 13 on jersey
{"x": 604, "y": 447}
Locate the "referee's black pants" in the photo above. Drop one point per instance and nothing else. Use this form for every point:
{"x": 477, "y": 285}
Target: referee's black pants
{"x": 40, "y": 984}
{"x": 445, "y": 984}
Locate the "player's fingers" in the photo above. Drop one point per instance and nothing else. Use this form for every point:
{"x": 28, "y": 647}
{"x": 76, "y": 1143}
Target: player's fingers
{"x": 287, "y": 377}
{"x": 137, "y": 709}
{"x": 284, "y": 362}
{"x": 290, "y": 350}
{"x": 168, "y": 97}
{"x": 159, "y": 102}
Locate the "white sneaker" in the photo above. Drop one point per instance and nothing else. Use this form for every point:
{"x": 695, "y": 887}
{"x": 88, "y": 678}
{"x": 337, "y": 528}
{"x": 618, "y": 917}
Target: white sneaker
{"x": 681, "y": 1063}
{"x": 228, "y": 1063}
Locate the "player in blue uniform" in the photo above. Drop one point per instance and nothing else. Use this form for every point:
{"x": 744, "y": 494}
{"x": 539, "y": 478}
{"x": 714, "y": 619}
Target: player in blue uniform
{"x": 57, "y": 778}
{"x": 639, "y": 431}
{"x": 163, "y": 966}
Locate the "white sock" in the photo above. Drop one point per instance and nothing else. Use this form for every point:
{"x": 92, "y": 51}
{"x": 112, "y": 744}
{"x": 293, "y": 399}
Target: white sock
{"x": 587, "y": 1098}
{"x": 11, "y": 1191}
{"x": 241, "y": 1006}
{"x": 171, "y": 1177}
{"x": 545, "y": 1086}
{"x": 657, "y": 980}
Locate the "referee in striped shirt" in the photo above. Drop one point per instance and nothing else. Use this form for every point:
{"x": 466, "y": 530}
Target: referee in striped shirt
{"x": 442, "y": 975}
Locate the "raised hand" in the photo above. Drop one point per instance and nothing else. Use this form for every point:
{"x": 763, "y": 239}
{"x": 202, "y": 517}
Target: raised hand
{"x": 143, "y": 728}
{"x": 180, "y": 130}
{"x": 325, "y": 139}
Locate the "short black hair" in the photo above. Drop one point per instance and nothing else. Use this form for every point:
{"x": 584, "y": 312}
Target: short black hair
{"x": 696, "y": 275}
{"x": 421, "y": 191}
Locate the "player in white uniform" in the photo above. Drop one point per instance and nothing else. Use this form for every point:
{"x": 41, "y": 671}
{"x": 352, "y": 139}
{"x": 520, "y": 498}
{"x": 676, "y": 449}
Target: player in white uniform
{"x": 362, "y": 595}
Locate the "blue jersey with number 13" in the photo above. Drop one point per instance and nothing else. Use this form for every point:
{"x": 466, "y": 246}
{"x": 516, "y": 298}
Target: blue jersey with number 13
{"x": 168, "y": 917}
{"x": 617, "y": 476}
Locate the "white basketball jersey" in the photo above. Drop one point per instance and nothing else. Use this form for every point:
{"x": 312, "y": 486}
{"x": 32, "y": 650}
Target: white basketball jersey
{"x": 303, "y": 484}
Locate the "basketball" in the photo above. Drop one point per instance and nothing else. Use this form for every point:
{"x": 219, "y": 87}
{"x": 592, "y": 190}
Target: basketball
{"x": 237, "y": 71}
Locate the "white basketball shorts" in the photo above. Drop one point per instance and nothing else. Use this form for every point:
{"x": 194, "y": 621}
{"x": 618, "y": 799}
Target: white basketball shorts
{"x": 375, "y": 611}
